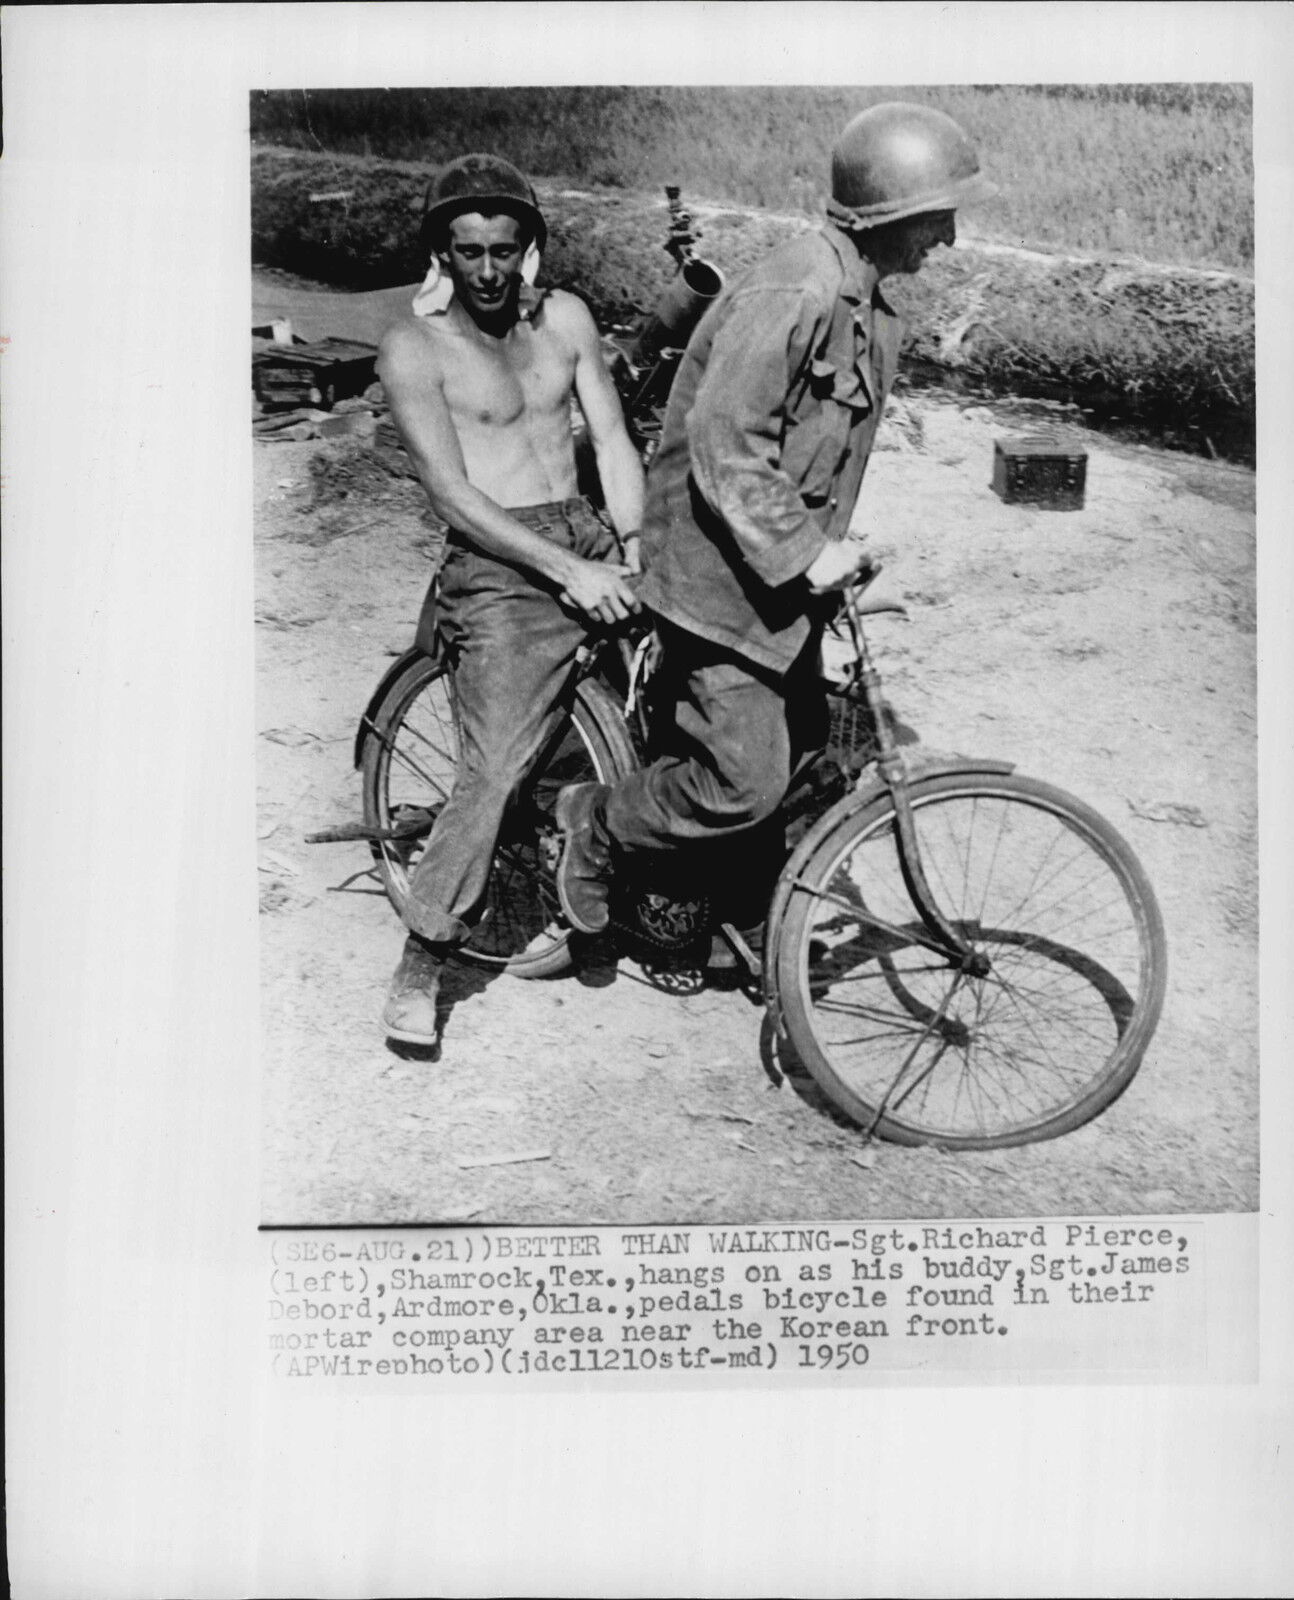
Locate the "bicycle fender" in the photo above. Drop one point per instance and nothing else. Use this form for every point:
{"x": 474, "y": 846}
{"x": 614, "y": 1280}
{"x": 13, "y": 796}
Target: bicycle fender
{"x": 365, "y": 730}
{"x": 867, "y": 794}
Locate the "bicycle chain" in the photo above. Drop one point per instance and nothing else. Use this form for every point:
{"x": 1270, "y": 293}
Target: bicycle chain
{"x": 696, "y": 923}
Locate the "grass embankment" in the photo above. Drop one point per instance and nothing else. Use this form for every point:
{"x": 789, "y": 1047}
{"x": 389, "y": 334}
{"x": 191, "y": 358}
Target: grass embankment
{"x": 1172, "y": 353}
{"x": 1162, "y": 170}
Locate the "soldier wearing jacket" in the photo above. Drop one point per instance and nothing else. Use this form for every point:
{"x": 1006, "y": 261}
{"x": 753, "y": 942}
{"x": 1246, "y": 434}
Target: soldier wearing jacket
{"x": 750, "y": 499}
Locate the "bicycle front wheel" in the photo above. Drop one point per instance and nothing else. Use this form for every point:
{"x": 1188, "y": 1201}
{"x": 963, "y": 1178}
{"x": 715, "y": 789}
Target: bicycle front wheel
{"x": 1039, "y": 1032}
{"x": 409, "y": 766}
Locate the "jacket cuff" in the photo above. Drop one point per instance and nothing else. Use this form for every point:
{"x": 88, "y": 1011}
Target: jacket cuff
{"x": 777, "y": 564}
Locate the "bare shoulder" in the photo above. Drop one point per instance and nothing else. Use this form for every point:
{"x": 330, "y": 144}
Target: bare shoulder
{"x": 568, "y": 317}
{"x": 409, "y": 348}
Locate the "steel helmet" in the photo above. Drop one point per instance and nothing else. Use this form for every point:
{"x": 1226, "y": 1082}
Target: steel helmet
{"x": 480, "y": 183}
{"x": 898, "y": 159}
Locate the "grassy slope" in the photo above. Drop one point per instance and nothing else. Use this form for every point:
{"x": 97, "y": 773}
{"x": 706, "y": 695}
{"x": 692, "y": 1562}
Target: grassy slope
{"x": 1174, "y": 353}
{"x": 1164, "y": 171}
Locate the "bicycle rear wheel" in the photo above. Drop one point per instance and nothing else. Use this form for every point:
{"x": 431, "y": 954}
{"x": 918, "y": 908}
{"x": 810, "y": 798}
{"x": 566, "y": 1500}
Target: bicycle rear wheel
{"x": 409, "y": 765}
{"x": 922, "y": 1049}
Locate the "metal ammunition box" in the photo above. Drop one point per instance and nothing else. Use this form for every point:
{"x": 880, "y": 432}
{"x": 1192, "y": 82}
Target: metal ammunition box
{"x": 313, "y": 374}
{"x": 1039, "y": 471}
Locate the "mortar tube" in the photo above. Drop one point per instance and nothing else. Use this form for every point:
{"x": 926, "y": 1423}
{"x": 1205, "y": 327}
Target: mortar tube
{"x": 682, "y": 304}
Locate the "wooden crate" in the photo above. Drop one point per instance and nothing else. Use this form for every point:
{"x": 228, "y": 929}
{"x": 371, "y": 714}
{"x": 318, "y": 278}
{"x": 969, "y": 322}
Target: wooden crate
{"x": 316, "y": 374}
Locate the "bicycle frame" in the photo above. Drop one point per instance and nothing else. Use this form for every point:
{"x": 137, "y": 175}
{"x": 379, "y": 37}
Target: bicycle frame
{"x": 888, "y": 767}
{"x": 890, "y": 777}
{"x": 893, "y": 773}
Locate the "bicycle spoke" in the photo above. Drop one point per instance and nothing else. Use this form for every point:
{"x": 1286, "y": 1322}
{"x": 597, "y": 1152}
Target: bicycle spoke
{"x": 1072, "y": 1014}
{"x": 920, "y": 1049}
{"x": 401, "y": 755}
{"x": 911, "y": 1056}
{"x": 905, "y": 935}
{"x": 896, "y": 1021}
{"x": 443, "y": 751}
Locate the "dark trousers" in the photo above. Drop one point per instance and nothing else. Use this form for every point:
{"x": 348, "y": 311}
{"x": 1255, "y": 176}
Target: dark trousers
{"x": 732, "y": 739}
{"x": 511, "y": 647}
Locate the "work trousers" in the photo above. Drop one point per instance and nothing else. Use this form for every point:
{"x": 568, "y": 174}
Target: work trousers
{"x": 511, "y": 647}
{"x": 732, "y": 738}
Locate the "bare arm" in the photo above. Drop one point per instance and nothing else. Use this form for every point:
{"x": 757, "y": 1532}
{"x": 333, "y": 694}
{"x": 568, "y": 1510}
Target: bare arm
{"x": 618, "y": 465}
{"x": 414, "y": 386}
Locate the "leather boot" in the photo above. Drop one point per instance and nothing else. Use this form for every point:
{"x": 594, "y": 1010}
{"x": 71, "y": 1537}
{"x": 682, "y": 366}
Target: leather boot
{"x": 584, "y": 872}
{"x": 410, "y": 1013}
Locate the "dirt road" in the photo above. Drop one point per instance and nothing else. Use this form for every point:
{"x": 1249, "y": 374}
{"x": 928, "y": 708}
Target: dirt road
{"x": 1111, "y": 650}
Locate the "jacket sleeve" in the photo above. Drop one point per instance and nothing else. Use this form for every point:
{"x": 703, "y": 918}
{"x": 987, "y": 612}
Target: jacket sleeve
{"x": 735, "y": 431}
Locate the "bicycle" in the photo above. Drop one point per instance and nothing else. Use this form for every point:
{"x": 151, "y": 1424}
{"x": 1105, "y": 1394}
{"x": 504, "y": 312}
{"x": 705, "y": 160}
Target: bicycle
{"x": 962, "y": 955}
{"x": 959, "y": 955}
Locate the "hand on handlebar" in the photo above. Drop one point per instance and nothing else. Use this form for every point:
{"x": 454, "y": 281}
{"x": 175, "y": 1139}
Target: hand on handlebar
{"x": 839, "y": 565}
{"x": 859, "y": 604}
{"x": 599, "y": 589}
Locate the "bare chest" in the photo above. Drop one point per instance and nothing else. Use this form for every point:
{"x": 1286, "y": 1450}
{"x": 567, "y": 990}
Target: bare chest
{"x": 526, "y": 377}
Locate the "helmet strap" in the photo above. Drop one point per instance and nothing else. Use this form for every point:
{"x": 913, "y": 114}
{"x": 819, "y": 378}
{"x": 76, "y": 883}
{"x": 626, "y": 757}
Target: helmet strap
{"x": 842, "y": 216}
{"x": 855, "y": 219}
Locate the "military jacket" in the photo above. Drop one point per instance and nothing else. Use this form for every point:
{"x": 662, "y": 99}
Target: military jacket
{"x": 765, "y": 440}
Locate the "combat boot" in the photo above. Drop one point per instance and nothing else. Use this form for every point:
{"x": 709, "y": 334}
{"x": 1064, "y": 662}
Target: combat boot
{"x": 584, "y": 872}
{"x": 411, "y": 1004}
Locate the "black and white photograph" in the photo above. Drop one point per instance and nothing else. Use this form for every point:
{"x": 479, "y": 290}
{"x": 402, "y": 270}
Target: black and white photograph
{"x": 755, "y": 649}
{"x": 657, "y": 633}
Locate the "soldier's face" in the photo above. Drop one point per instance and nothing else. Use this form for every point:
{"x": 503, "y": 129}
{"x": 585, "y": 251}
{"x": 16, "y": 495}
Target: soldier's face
{"x": 902, "y": 247}
{"x": 484, "y": 258}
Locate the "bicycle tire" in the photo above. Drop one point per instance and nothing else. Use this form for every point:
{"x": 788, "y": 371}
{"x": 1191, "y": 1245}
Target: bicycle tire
{"x": 408, "y": 767}
{"x": 912, "y": 1049}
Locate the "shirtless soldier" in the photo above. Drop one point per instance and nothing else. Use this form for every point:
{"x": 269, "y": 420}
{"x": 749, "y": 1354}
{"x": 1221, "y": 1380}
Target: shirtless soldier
{"x": 479, "y": 381}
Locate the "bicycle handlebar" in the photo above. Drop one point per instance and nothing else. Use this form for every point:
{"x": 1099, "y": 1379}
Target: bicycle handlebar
{"x": 629, "y": 633}
{"x": 857, "y": 608}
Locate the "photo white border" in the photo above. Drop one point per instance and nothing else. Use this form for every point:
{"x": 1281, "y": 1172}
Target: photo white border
{"x": 147, "y": 1455}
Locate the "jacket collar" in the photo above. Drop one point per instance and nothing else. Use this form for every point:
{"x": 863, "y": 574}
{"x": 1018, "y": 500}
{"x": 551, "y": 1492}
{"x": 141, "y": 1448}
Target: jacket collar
{"x": 860, "y": 281}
